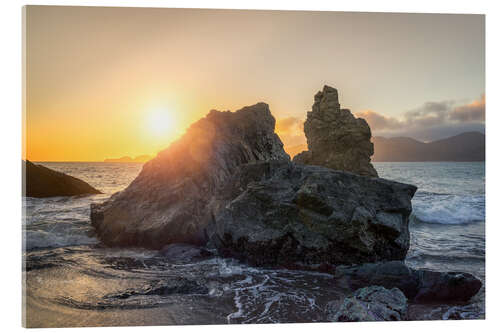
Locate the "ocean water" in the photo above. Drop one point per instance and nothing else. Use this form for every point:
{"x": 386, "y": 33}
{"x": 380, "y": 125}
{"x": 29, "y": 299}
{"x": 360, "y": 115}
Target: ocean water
{"x": 448, "y": 221}
{"x": 71, "y": 280}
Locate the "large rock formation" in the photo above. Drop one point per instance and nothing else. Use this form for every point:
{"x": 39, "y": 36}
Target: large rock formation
{"x": 286, "y": 214}
{"x": 42, "y": 182}
{"x": 335, "y": 138}
{"x": 374, "y": 303}
{"x": 418, "y": 285}
{"x": 172, "y": 199}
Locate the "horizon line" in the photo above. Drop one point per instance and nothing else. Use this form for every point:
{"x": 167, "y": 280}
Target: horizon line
{"x": 78, "y": 161}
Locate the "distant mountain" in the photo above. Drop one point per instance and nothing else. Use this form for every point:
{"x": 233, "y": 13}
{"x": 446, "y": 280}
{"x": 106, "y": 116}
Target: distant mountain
{"x": 128, "y": 159}
{"x": 469, "y": 146}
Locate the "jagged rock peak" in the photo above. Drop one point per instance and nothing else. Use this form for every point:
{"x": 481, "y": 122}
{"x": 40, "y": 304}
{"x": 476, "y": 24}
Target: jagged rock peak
{"x": 328, "y": 98}
{"x": 335, "y": 138}
{"x": 172, "y": 199}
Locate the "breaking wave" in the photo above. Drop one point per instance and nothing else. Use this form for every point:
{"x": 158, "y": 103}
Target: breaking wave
{"x": 448, "y": 208}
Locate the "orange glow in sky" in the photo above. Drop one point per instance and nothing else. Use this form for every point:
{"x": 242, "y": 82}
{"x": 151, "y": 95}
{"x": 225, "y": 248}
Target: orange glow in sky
{"x": 105, "y": 82}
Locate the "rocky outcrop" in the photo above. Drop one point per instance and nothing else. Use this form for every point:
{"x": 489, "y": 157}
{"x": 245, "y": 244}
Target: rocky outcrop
{"x": 418, "y": 285}
{"x": 42, "y": 182}
{"x": 173, "y": 198}
{"x": 286, "y": 214}
{"x": 373, "y": 303}
{"x": 335, "y": 138}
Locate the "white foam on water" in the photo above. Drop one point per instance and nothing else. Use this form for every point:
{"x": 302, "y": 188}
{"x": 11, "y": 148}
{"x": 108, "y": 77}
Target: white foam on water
{"x": 449, "y": 209}
{"x": 239, "y": 307}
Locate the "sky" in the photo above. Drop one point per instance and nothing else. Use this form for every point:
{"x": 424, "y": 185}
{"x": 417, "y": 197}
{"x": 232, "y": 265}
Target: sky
{"x": 112, "y": 82}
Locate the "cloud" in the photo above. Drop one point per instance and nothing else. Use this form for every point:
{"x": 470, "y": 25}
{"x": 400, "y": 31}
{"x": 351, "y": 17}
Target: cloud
{"x": 474, "y": 111}
{"x": 378, "y": 121}
{"x": 291, "y": 131}
{"x": 289, "y": 124}
{"x": 429, "y": 114}
{"x": 431, "y": 121}
{"x": 427, "y": 134}
{"x": 431, "y": 117}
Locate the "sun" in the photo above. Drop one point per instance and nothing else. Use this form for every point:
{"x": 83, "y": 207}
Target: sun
{"x": 160, "y": 123}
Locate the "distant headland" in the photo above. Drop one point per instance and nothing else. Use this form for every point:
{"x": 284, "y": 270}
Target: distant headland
{"x": 465, "y": 147}
{"x": 128, "y": 159}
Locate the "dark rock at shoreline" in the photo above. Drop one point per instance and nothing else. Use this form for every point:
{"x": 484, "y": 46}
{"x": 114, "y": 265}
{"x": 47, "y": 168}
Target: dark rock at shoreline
{"x": 172, "y": 200}
{"x": 169, "y": 286}
{"x": 446, "y": 286}
{"x": 335, "y": 138}
{"x": 42, "y": 182}
{"x": 387, "y": 274}
{"x": 421, "y": 286}
{"x": 285, "y": 214}
{"x": 374, "y": 303}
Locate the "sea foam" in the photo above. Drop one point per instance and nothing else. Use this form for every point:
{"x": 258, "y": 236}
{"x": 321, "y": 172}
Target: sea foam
{"x": 449, "y": 209}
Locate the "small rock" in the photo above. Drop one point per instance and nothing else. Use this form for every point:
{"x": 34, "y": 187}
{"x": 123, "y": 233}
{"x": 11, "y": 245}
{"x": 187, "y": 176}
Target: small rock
{"x": 422, "y": 286}
{"x": 470, "y": 311}
{"x": 169, "y": 286}
{"x": 374, "y": 303}
{"x": 449, "y": 286}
